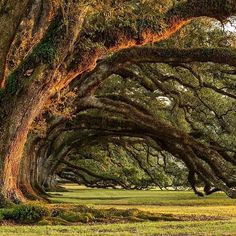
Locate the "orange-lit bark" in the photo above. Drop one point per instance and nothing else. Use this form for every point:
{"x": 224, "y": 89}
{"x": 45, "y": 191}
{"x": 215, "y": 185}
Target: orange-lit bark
{"x": 28, "y": 179}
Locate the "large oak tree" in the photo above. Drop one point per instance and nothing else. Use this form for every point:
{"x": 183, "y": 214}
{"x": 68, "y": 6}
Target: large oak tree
{"x": 47, "y": 44}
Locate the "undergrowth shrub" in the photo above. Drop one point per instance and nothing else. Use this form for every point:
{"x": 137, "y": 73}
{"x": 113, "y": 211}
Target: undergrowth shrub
{"x": 26, "y": 214}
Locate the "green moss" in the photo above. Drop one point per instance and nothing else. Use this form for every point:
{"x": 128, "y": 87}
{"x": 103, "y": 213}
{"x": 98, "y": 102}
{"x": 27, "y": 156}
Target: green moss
{"x": 70, "y": 216}
{"x": 78, "y": 217}
{"x": 86, "y": 217}
{"x": 53, "y": 221}
{"x": 131, "y": 212}
{"x": 46, "y": 51}
{"x": 1, "y": 216}
{"x": 11, "y": 85}
{"x": 44, "y": 222}
{"x": 2, "y": 92}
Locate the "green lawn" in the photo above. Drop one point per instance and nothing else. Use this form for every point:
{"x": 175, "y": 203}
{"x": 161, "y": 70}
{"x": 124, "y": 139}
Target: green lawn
{"x": 213, "y": 215}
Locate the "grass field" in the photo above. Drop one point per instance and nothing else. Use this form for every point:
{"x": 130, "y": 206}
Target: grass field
{"x": 213, "y": 215}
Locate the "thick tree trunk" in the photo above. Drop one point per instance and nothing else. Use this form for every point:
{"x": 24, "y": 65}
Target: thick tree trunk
{"x": 18, "y": 128}
{"x": 28, "y": 103}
